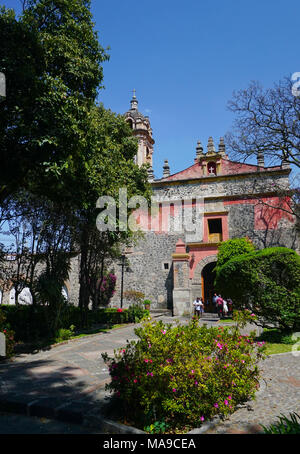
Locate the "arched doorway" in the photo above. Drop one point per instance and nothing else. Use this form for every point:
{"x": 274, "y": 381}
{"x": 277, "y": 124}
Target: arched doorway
{"x": 208, "y": 277}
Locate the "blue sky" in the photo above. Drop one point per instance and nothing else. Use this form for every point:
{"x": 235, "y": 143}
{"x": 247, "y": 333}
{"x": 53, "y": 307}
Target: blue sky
{"x": 186, "y": 58}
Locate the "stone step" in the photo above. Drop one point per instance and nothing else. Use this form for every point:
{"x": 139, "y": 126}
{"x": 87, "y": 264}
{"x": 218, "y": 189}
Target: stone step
{"x": 160, "y": 312}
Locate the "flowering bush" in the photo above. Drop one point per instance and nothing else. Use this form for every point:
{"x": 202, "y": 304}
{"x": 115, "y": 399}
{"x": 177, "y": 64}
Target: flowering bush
{"x": 184, "y": 375}
{"x": 9, "y": 335}
{"x": 242, "y": 317}
{"x": 107, "y": 288}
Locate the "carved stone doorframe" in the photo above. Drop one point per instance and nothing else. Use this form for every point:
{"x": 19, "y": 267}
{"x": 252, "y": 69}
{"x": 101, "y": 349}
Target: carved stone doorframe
{"x": 196, "y": 285}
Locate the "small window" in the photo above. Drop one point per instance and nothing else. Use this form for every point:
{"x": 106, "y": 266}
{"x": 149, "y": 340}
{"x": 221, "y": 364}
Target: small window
{"x": 215, "y": 225}
{"x": 214, "y": 230}
{"x": 166, "y": 266}
{"x": 130, "y": 122}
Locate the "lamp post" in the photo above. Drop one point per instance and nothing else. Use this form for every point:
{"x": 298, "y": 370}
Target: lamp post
{"x": 122, "y": 264}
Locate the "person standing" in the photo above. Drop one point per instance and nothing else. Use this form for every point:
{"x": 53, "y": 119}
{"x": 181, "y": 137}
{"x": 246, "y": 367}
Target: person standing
{"x": 201, "y": 307}
{"x": 230, "y": 303}
{"x": 214, "y": 301}
{"x": 196, "y": 305}
{"x": 225, "y": 308}
{"x": 220, "y": 306}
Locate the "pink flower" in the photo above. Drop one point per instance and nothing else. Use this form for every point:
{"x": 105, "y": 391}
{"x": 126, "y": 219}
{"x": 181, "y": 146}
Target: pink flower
{"x": 164, "y": 331}
{"x": 229, "y": 397}
{"x": 135, "y": 380}
{"x": 196, "y": 383}
{"x": 226, "y": 402}
{"x": 202, "y": 418}
{"x": 174, "y": 390}
{"x": 216, "y": 405}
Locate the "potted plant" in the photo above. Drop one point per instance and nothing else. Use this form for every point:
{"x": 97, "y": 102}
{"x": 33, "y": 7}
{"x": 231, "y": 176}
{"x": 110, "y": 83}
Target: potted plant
{"x": 147, "y": 304}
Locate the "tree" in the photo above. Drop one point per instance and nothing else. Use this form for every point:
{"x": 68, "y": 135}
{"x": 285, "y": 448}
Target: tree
{"x": 63, "y": 147}
{"x": 52, "y": 60}
{"x": 267, "y": 126}
{"x": 267, "y": 123}
{"x": 107, "y": 166}
{"x": 266, "y": 282}
{"x": 233, "y": 248}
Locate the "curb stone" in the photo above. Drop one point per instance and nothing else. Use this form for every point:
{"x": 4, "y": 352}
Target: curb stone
{"x": 76, "y": 413}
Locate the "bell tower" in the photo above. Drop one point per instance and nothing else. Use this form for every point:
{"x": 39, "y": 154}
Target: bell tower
{"x": 141, "y": 127}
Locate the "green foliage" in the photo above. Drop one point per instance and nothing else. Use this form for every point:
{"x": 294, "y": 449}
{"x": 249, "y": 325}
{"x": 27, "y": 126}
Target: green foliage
{"x": 53, "y": 64}
{"x": 31, "y": 323}
{"x": 9, "y": 334}
{"x": 285, "y": 425}
{"x": 242, "y": 318}
{"x": 233, "y": 248}
{"x": 64, "y": 334}
{"x": 136, "y": 312}
{"x": 276, "y": 336}
{"x": 183, "y": 375}
{"x": 157, "y": 427}
{"x": 266, "y": 282}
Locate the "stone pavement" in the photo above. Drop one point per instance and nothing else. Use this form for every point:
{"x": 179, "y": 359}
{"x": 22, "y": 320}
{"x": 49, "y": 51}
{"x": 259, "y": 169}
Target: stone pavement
{"x": 67, "y": 383}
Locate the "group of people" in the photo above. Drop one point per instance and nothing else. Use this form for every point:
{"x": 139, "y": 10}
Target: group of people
{"x": 221, "y": 306}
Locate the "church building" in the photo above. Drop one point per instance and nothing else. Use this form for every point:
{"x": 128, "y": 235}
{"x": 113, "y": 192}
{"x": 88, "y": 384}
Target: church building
{"x": 226, "y": 199}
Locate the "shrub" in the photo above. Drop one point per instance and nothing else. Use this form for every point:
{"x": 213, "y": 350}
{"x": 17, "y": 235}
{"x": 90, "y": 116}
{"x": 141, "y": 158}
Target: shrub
{"x": 233, "y": 248}
{"x": 284, "y": 425}
{"x": 9, "y": 335}
{"x": 136, "y": 312}
{"x": 30, "y": 323}
{"x": 183, "y": 375}
{"x": 266, "y": 282}
{"x": 64, "y": 334}
{"x": 134, "y": 296}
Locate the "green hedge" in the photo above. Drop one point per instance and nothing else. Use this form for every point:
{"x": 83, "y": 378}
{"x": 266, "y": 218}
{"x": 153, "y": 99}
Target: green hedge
{"x": 30, "y": 323}
{"x": 266, "y": 282}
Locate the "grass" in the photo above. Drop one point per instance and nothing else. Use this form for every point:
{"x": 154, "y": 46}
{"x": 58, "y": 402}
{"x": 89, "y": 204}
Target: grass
{"x": 93, "y": 331}
{"x": 278, "y": 341}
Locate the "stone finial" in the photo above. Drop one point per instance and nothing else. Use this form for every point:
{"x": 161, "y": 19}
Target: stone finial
{"x": 134, "y": 101}
{"x": 211, "y": 149}
{"x": 166, "y": 169}
{"x": 150, "y": 174}
{"x": 222, "y": 146}
{"x": 260, "y": 160}
{"x": 199, "y": 150}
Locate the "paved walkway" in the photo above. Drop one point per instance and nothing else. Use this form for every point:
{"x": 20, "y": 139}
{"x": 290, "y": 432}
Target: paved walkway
{"x": 67, "y": 382}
